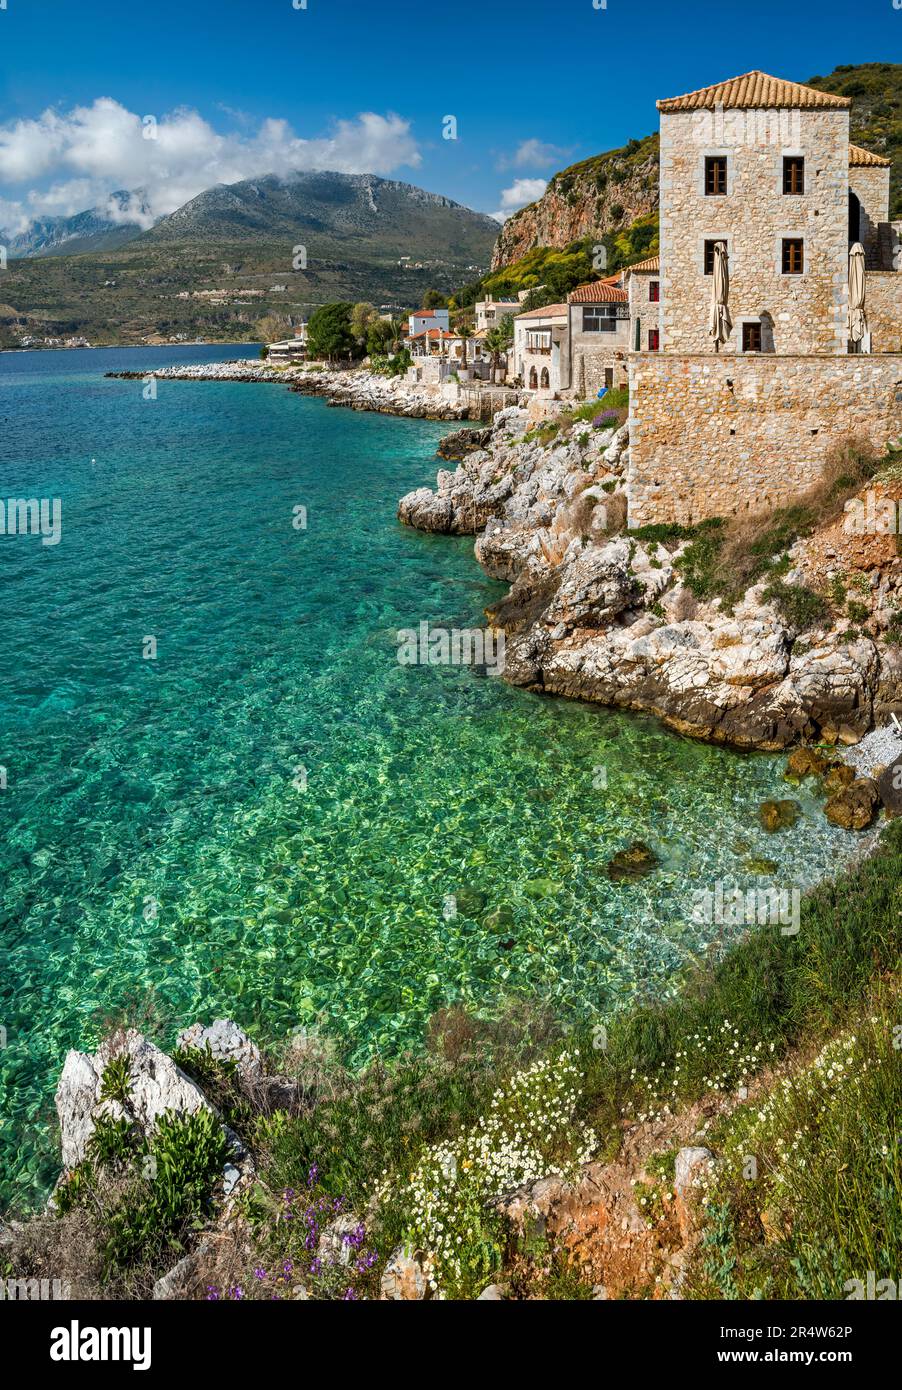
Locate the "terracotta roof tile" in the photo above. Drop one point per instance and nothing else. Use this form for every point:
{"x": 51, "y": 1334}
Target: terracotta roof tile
{"x": 548, "y": 311}
{"x": 653, "y": 263}
{"x": 756, "y": 89}
{"x": 599, "y": 292}
{"x": 863, "y": 159}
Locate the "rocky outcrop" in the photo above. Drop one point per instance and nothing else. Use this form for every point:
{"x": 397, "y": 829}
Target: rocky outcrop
{"x": 598, "y": 195}
{"x": 594, "y": 613}
{"x": 151, "y": 1086}
{"x": 357, "y": 390}
{"x": 224, "y": 1041}
{"x": 155, "y": 1085}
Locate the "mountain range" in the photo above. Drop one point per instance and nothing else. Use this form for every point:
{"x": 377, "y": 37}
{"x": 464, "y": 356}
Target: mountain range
{"x": 124, "y": 216}
{"x": 238, "y": 253}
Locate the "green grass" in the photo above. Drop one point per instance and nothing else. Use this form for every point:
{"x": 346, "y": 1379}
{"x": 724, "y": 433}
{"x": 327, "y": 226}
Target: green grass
{"x": 807, "y": 1192}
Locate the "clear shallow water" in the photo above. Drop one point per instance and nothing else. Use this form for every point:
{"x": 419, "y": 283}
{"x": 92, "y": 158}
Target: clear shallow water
{"x": 175, "y": 781}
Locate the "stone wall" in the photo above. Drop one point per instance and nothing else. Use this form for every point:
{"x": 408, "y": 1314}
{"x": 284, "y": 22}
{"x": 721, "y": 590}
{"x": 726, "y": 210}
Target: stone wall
{"x": 871, "y": 185}
{"x": 643, "y": 309}
{"x": 715, "y": 436}
{"x": 807, "y": 311}
{"x": 883, "y": 306}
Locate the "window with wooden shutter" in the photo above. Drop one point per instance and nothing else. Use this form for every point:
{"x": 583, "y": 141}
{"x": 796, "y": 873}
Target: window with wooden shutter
{"x": 793, "y": 255}
{"x": 793, "y": 174}
{"x": 751, "y": 337}
{"x": 715, "y": 175}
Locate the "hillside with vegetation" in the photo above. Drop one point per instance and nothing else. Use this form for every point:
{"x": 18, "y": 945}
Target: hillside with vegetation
{"x": 603, "y": 194}
{"x": 876, "y": 118}
{"x": 263, "y": 249}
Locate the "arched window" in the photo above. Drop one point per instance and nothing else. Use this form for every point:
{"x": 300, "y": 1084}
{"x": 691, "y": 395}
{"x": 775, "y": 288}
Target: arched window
{"x": 533, "y": 378}
{"x": 546, "y": 381}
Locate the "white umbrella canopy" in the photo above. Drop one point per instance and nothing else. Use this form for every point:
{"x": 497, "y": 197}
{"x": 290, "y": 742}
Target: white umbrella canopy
{"x": 720, "y": 324}
{"x": 856, "y": 318}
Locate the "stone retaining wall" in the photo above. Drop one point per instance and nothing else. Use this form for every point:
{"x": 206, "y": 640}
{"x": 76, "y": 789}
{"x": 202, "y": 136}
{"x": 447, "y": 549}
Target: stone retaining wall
{"x": 723, "y": 436}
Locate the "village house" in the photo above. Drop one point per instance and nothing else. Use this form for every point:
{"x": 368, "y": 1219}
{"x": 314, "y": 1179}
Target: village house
{"x": 422, "y": 319}
{"x": 540, "y": 359}
{"x": 644, "y": 288}
{"x": 437, "y": 355}
{"x": 290, "y": 349}
{"x": 761, "y": 363}
{"x": 598, "y": 337}
{"x": 490, "y": 312}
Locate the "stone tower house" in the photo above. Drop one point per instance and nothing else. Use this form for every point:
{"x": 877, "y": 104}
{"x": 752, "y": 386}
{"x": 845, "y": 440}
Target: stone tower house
{"x": 764, "y": 165}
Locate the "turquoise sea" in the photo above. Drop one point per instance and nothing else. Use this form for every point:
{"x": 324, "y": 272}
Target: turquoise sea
{"x": 268, "y": 819}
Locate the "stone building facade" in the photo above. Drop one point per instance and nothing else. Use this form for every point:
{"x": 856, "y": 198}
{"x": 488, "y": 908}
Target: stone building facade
{"x": 722, "y": 179}
{"x": 644, "y": 287}
{"x": 598, "y": 337}
{"x": 869, "y": 204}
{"x": 766, "y": 167}
{"x": 541, "y": 355}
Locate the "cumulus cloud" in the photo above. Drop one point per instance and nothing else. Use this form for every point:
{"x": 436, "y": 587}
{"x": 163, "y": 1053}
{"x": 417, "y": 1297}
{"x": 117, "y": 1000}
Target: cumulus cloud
{"x": 521, "y": 192}
{"x": 83, "y": 155}
{"x": 535, "y": 154}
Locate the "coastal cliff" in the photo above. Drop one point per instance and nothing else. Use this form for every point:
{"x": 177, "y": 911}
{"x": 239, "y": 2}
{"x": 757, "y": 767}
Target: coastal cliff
{"x": 602, "y": 194}
{"x": 807, "y": 650}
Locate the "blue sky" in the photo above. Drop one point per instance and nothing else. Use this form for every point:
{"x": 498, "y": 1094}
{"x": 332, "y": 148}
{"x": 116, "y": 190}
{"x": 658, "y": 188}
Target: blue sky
{"x": 533, "y": 86}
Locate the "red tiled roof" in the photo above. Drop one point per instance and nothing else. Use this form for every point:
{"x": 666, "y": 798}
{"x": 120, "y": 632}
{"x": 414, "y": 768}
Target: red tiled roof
{"x": 652, "y": 263}
{"x": 863, "y": 159}
{"x": 598, "y": 292}
{"x": 755, "y": 89}
{"x": 547, "y": 311}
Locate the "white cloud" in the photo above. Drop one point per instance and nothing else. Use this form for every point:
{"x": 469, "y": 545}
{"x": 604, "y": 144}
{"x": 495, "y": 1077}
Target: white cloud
{"x": 82, "y": 156}
{"x": 534, "y": 154}
{"x": 521, "y": 192}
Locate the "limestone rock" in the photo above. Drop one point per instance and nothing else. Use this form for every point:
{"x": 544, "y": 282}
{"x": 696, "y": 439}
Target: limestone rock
{"x": 691, "y": 1165}
{"x": 855, "y": 806}
{"x": 156, "y": 1085}
{"x": 889, "y": 785}
{"x": 778, "y": 815}
{"x": 226, "y": 1042}
{"x": 631, "y": 863}
{"x": 404, "y": 1279}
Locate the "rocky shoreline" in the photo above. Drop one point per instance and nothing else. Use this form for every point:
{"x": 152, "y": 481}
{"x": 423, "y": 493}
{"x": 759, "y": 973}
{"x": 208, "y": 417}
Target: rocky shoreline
{"x": 355, "y": 390}
{"x": 594, "y": 613}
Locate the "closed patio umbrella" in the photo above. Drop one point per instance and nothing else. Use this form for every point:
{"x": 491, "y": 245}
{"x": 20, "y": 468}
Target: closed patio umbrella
{"x": 720, "y": 325}
{"x": 856, "y": 319}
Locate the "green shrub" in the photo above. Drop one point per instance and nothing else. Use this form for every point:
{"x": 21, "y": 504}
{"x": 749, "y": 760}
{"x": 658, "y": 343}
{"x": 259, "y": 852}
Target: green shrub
{"x": 798, "y": 605}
